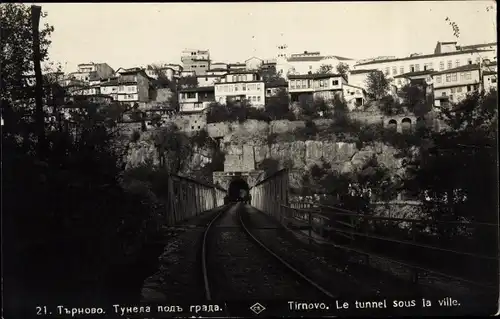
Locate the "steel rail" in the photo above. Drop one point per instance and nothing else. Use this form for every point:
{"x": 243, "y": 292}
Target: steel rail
{"x": 286, "y": 264}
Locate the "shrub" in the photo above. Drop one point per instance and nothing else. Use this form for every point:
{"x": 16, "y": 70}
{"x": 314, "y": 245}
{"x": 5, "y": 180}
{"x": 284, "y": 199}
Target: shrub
{"x": 135, "y": 136}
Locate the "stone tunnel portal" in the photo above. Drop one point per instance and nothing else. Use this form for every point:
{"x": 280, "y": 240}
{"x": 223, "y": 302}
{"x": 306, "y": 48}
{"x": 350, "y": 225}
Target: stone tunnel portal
{"x": 238, "y": 191}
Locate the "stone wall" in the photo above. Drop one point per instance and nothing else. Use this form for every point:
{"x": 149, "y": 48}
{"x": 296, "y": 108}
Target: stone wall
{"x": 341, "y": 156}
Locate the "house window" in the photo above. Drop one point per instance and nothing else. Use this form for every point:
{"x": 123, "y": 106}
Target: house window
{"x": 452, "y": 90}
{"x": 412, "y": 68}
{"x": 454, "y": 77}
{"x": 254, "y": 98}
{"x": 441, "y": 65}
{"x": 292, "y": 85}
{"x": 394, "y": 70}
{"x": 258, "y": 98}
{"x": 450, "y": 64}
{"x": 131, "y": 89}
{"x": 387, "y": 71}
{"x": 457, "y": 63}
{"x": 467, "y": 75}
{"x": 451, "y": 97}
{"x": 122, "y": 88}
{"x": 191, "y": 95}
{"x": 431, "y": 65}
{"x": 310, "y": 67}
{"x": 243, "y": 87}
{"x": 401, "y": 69}
{"x": 335, "y": 82}
{"x": 258, "y": 87}
{"x": 399, "y": 81}
{"x": 462, "y": 76}
{"x": 478, "y": 59}
{"x": 493, "y": 80}
{"x": 469, "y": 61}
{"x": 459, "y": 89}
{"x": 417, "y": 67}
{"x": 443, "y": 94}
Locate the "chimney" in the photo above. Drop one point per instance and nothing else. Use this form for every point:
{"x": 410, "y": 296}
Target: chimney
{"x": 305, "y": 52}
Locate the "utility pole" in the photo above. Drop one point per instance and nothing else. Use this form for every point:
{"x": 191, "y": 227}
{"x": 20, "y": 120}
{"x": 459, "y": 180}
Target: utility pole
{"x": 39, "y": 114}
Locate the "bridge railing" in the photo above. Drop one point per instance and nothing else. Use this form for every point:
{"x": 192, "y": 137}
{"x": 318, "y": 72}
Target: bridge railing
{"x": 463, "y": 252}
{"x": 270, "y": 194}
{"x": 460, "y": 251}
{"x": 187, "y": 198}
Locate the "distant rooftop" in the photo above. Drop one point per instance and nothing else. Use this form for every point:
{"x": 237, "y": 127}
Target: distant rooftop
{"x": 424, "y": 56}
{"x": 312, "y": 76}
{"x": 464, "y": 68}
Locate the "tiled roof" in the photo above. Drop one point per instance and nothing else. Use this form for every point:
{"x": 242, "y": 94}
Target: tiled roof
{"x": 276, "y": 84}
{"x": 254, "y": 57}
{"x": 489, "y": 72}
{"x": 117, "y": 82}
{"x": 464, "y": 68}
{"x": 217, "y": 70}
{"x": 199, "y": 89}
{"x": 305, "y": 58}
{"x": 354, "y": 86}
{"x": 453, "y": 85}
{"x": 475, "y": 46}
{"x": 423, "y": 56}
{"x": 242, "y": 72}
{"x": 312, "y": 76}
{"x": 416, "y": 73}
{"x": 337, "y": 57}
{"x": 362, "y": 71}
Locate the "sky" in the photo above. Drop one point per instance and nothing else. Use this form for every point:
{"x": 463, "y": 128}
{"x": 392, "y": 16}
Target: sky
{"x": 135, "y": 34}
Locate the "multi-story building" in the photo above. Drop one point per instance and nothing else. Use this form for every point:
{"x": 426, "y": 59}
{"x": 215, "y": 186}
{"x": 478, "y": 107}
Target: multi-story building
{"x": 156, "y": 72}
{"x": 103, "y": 70}
{"x": 193, "y": 100}
{"x": 196, "y": 60}
{"x": 310, "y": 62}
{"x": 219, "y": 65}
{"x": 353, "y": 95}
{"x": 325, "y": 86}
{"x": 359, "y": 77}
{"x": 453, "y": 85}
{"x": 129, "y": 87}
{"x": 446, "y": 56}
{"x": 274, "y": 87}
{"x": 207, "y": 80}
{"x": 420, "y": 77}
{"x": 238, "y": 86}
{"x": 217, "y": 72}
{"x": 490, "y": 77}
{"x": 253, "y": 63}
{"x": 187, "y": 73}
{"x": 236, "y": 67}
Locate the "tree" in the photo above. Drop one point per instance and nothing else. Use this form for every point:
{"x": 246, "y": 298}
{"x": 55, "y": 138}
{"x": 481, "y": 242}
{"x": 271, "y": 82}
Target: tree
{"x": 269, "y": 75}
{"x": 415, "y": 99}
{"x": 343, "y": 69}
{"x": 340, "y": 111}
{"x": 187, "y": 82}
{"x": 450, "y": 168}
{"x": 174, "y": 148}
{"x": 278, "y": 106}
{"x": 16, "y": 60}
{"x": 325, "y": 69}
{"x": 377, "y": 84}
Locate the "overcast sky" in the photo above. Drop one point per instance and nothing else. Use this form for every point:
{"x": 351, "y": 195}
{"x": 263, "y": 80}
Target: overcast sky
{"x": 126, "y": 35}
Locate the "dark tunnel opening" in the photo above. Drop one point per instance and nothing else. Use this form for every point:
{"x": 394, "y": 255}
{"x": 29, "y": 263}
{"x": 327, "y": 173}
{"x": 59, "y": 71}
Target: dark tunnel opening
{"x": 238, "y": 191}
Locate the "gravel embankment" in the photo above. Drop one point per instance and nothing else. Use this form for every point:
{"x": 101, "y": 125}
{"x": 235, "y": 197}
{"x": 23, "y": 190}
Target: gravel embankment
{"x": 179, "y": 269}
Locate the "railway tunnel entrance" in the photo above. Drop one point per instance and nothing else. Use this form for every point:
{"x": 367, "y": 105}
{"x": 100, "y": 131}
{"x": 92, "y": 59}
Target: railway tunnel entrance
{"x": 238, "y": 190}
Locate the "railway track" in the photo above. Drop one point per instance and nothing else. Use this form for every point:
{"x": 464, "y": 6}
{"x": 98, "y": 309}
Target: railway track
{"x": 237, "y": 266}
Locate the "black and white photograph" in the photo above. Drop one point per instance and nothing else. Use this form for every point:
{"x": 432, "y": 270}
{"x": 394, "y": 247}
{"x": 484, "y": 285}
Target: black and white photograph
{"x": 253, "y": 159}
